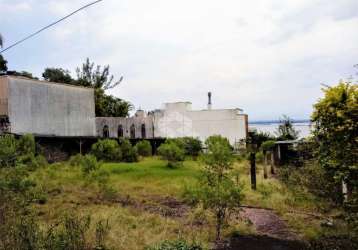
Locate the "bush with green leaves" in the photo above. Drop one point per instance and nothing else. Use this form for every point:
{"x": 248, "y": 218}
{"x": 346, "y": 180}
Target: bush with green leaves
{"x": 129, "y": 153}
{"x": 180, "y": 244}
{"x": 144, "y": 148}
{"x": 171, "y": 152}
{"x": 192, "y": 146}
{"x": 26, "y": 145}
{"x": 8, "y": 150}
{"x": 89, "y": 164}
{"x": 75, "y": 160}
{"x": 107, "y": 150}
{"x": 22, "y": 151}
{"x": 216, "y": 190}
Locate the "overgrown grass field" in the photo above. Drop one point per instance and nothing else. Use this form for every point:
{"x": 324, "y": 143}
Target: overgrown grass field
{"x": 143, "y": 196}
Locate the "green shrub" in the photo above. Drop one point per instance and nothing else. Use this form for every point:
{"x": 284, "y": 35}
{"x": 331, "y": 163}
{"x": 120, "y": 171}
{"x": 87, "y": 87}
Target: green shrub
{"x": 89, "y": 164}
{"x": 26, "y": 145}
{"x": 75, "y": 160}
{"x": 268, "y": 145}
{"x": 192, "y": 146}
{"x": 171, "y": 152}
{"x": 31, "y": 161}
{"x": 144, "y": 148}
{"x": 107, "y": 150}
{"x": 69, "y": 233}
{"x": 8, "y": 151}
{"x": 175, "y": 245}
{"x": 129, "y": 153}
{"x": 259, "y": 157}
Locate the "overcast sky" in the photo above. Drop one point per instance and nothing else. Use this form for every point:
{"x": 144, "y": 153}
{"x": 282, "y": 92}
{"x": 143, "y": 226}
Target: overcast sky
{"x": 268, "y": 57}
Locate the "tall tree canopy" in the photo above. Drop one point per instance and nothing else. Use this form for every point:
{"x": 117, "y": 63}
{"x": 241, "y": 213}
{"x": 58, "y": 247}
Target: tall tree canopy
{"x": 3, "y": 62}
{"x": 58, "y": 75}
{"x": 91, "y": 75}
{"x": 336, "y": 125}
{"x": 285, "y": 130}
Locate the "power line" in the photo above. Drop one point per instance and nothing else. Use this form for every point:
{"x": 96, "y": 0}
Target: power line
{"x": 48, "y": 26}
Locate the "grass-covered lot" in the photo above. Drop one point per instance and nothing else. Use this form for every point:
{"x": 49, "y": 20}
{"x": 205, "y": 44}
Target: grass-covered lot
{"x": 143, "y": 202}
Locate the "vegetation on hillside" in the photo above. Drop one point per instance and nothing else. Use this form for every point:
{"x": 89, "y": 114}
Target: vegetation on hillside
{"x": 113, "y": 199}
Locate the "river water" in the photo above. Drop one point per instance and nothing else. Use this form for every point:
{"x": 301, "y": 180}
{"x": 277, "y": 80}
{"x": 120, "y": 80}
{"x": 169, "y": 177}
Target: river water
{"x": 304, "y": 128}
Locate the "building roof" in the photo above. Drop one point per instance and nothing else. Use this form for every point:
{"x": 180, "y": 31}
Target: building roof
{"x": 44, "y": 82}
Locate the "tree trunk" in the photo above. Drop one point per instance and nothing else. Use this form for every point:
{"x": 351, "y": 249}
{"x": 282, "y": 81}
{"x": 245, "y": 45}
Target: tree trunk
{"x": 219, "y": 221}
{"x": 272, "y": 164}
{"x": 253, "y": 170}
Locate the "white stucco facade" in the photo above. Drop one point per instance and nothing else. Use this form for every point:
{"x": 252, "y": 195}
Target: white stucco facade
{"x": 51, "y": 109}
{"x": 179, "y": 120}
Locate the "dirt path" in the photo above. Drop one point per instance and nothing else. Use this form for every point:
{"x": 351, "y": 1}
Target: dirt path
{"x": 267, "y": 222}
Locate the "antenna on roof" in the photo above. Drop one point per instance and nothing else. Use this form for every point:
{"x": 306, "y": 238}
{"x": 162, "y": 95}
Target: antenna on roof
{"x": 209, "y": 100}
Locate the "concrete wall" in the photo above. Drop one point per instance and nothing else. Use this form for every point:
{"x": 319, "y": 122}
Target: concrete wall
{"x": 3, "y": 96}
{"x": 43, "y": 108}
{"x": 113, "y": 124}
{"x": 178, "y": 120}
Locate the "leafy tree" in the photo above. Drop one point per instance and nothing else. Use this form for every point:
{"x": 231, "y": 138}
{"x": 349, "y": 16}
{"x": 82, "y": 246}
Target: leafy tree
{"x": 171, "y": 152}
{"x": 336, "y": 124}
{"x": 89, "y": 75}
{"x": 58, "y": 75}
{"x": 192, "y": 146}
{"x": 3, "y": 64}
{"x": 100, "y": 79}
{"x": 26, "y": 144}
{"x": 110, "y": 106}
{"x": 107, "y": 150}
{"x": 24, "y": 74}
{"x": 129, "y": 153}
{"x": 216, "y": 189}
{"x": 144, "y": 148}
{"x": 96, "y": 77}
{"x": 285, "y": 130}
{"x": 8, "y": 151}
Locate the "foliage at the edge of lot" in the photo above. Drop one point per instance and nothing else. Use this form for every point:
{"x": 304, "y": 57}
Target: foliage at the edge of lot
{"x": 19, "y": 226}
{"x": 107, "y": 150}
{"x": 144, "y": 148}
{"x": 192, "y": 146}
{"x": 285, "y": 130}
{"x": 171, "y": 152}
{"x": 216, "y": 189}
{"x": 89, "y": 75}
{"x": 335, "y": 132}
{"x": 22, "y": 151}
{"x": 129, "y": 153}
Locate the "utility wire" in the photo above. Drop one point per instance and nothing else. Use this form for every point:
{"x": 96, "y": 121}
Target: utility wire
{"x": 48, "y": 26}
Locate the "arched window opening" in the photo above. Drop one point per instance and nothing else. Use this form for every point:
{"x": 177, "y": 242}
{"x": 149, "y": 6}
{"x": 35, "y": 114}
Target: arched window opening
{"x": 143, "y": 131}
{"x": 120, "y": 131}
{"x": 105, "y": 131}
{"x": 132, "y": 131}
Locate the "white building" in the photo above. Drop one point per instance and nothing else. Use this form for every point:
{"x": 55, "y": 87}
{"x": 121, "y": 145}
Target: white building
{"x": 58, "y": 110}
{"x": 179, "y": 120}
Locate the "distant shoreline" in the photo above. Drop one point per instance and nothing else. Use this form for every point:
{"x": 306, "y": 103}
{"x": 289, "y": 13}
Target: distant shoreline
{"x": 278, "y": 121}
